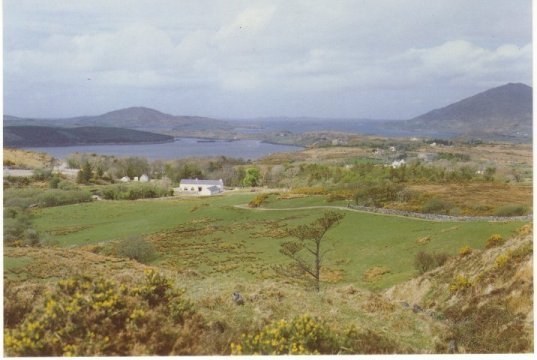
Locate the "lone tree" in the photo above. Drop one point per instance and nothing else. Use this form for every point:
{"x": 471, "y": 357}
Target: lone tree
{"x": 251, "y": 177}
{"x": 306, "y": 251}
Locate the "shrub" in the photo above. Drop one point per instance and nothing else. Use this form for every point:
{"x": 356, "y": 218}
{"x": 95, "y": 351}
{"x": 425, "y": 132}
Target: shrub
{"x": 465, "y": 250}
{"x": 67, "y": 185}
{"x": 436, "y": 206}
{"x": 494, "y": 240}
{"x": 315, "y": 190}
{"x": 258, "y": 200}
{"x": 31, "y": 237}
{"x": 427, "y": 261}
{"x": 501, "y": 261}
{"x": 56, "y": 197}
{"x": 41, "y": 174}
{"x": 307, "y": 335}
{"x": 19, "y": 300}
{"x": 525, "y": 229}
{"x": 378, "y": 194}
{"x": 136, "y": 248}
{"x": 303, "y": 335}
{"x": 83, "y": 316}
{"x": 491, "y": 327}
{"x": 54, "y": 181}
{"x": 459, "y": 282}
{"x": 340, "y": 195}
{"x": 511, "y": 210}
{"x": 17, "y": 181}
{"x": 375, "y": 273}
{"x": 133, "y": 191}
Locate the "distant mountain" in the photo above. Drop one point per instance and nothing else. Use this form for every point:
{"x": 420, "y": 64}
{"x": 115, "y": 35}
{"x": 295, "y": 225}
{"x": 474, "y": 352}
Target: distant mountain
{"x": 33, "y": 136}
{"x": 505, "y": 110}
{"x": 131, "y": 118}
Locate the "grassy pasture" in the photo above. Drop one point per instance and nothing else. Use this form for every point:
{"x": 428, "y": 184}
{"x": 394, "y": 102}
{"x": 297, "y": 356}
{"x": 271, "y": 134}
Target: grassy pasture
{"x": 211, "y": 238}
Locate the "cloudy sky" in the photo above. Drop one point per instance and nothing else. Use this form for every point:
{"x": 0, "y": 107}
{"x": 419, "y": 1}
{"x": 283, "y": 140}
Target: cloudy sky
{"x": 385, "y": 59}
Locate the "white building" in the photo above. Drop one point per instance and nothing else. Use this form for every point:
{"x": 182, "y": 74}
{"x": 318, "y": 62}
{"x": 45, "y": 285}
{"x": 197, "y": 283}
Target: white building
{"x": 200, "y": 187}
{"x": 144, "y": 178}
{"x": 398, "y": 163}
{"x": 125, "y": 179}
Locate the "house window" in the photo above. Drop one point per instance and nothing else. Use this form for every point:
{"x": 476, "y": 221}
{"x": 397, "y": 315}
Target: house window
{"x": 199, "y": 188}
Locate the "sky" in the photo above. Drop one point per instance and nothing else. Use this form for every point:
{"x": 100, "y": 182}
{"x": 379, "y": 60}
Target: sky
{"x": 379, "y": 59}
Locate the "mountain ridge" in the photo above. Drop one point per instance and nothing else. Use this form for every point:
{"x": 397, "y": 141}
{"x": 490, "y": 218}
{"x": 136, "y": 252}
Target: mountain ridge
{"x": 503, "y": 110}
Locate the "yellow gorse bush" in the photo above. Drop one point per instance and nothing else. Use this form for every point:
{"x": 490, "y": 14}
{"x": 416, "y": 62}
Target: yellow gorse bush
{"x": 494, "y": 240}
{"x": 300, "y": 336}
{"x": 459, "y": 282}
{"x": 465, "y": 250}
{"x": 306, "y": 335}
{"x": 87, "y": 316}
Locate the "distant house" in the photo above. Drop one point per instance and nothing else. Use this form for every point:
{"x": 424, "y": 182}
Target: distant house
{"x": 125, "y": 179}
{"x": 144, "y": 178}
{"x": 398, "y": 163}
{"x": 200, "y": 187}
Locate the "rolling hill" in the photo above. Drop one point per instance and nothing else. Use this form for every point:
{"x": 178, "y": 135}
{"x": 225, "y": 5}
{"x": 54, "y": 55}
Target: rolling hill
{"x": 140, "y": 118}
{"x": 502, "y": 111}
{"x": 18, "y": 136}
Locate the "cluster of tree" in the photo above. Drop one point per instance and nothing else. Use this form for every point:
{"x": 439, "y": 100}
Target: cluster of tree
{"x": 96, "y": 167}
{"x": 134, "y": 191}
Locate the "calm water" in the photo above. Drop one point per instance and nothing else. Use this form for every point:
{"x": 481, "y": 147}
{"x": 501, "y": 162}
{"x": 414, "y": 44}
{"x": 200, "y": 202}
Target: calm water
{"x": 181, "y": 148}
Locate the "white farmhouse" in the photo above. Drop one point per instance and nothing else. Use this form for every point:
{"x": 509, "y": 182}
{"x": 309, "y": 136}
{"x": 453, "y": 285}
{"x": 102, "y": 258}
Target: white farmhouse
{"x": 200, "y": 187}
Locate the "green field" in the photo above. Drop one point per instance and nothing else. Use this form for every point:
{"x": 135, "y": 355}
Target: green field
{"x": 214, "y": 239}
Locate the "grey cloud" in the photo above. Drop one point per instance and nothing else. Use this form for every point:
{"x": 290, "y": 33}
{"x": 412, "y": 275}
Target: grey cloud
{"x": 260, "y": 58}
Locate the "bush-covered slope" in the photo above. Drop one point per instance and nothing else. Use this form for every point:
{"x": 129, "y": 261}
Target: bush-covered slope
{"x": 485, "y": 297}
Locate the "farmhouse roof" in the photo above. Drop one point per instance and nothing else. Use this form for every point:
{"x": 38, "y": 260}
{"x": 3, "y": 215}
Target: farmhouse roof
{"x": 201, "y": 182}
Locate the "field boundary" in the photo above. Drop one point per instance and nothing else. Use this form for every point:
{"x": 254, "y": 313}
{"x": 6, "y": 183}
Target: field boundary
{"x": 401, "y": 213}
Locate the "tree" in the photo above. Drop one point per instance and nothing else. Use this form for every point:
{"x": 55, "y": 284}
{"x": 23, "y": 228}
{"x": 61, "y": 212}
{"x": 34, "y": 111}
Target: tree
{"x": 306, "y": 251}
{"x": 251, "y": 177}
{"x": 85, "y": 174}
{"x": 489, "y": 173}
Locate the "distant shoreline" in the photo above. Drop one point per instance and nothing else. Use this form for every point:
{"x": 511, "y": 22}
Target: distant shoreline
{"x": 93, "y": 144}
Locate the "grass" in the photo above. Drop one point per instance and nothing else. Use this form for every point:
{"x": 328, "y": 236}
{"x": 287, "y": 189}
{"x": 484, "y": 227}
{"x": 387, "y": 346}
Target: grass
{"x": 11, "y": 263}
{"x": 217, "y": 240}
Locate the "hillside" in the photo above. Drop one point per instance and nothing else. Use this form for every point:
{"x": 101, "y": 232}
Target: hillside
{"x": 481, "y": 295}
{"x": 131, "y": 118}
{"x": 18, "y": 136}
{"x": 505, "y": 110}
{"x": 23, "y": 159}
